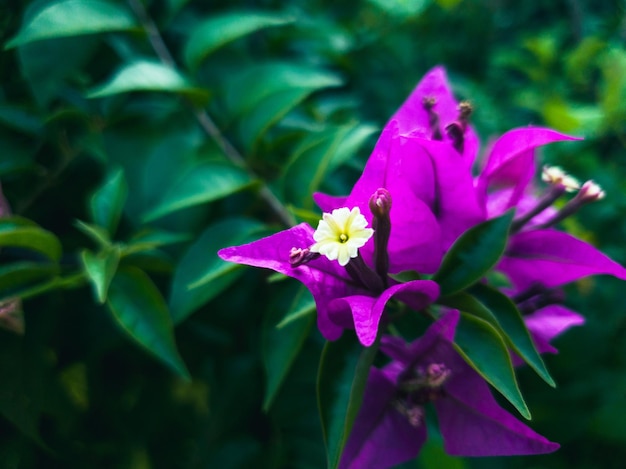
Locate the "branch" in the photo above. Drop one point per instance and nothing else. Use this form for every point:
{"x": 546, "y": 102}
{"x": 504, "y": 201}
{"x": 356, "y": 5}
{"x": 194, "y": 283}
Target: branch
{"x": 204, "y": 120}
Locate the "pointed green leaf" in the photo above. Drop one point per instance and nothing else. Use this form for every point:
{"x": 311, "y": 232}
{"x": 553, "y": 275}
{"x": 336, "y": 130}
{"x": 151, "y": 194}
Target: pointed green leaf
{"x": 303, "y": 306}
{"x": 262, "y": 95}
{"x": 221, "y": 29}
{"x": 341, "y": 378}
{"x": 281, "y": 345}
{"x": 255, "y": 123}
{"x": 139, "y": 309}
{"x": 101, "y": 268}
{"x": 146, "y": 75}
{"x": 19, "y": 232}
{"x": 482, "y": 347}
{"x": 149, "y": 239}
{"x": 201, "y": 274}
{"x": 317, "y": 155}
{"x": 107, "y": 203}
{"x": 63, "y": 18}
{"x": 473, "y": 254}
{"x": 21, "y": 275}
{"x": 514, "y": 328}
{"x": 203, "y": 183}
{"x": 96, "y": 233}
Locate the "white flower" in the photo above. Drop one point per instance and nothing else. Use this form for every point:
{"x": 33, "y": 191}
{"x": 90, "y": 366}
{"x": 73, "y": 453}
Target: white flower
{"x": 340, "y": 234}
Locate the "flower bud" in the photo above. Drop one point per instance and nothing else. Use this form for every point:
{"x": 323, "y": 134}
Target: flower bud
{"x": 380, "y": 203}
{"x": 380, "y": 206}
{"x": 556, "y": 176}
{"x": 590, "y": 192}
{"x": 300, "y": 256}
{"x": 428, "y": 102}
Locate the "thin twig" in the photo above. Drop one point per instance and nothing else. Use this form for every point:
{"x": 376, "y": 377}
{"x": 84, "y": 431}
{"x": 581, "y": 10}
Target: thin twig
{"x": 204, "y": 119}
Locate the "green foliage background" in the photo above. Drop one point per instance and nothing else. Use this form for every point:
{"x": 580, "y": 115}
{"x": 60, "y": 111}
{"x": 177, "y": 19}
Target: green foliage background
{"x": 142, "y": 137}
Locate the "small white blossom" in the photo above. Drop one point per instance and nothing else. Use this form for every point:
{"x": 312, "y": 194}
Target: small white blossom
{"x": 555, "y": 175}
{"x": 340, "y": 234}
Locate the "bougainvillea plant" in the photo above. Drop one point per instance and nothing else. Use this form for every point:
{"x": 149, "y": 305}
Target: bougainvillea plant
{"x": 479, "y": 253}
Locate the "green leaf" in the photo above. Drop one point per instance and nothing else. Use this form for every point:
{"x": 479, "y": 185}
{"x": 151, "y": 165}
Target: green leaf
{"x": 18, "y": 232}
{"x": 281, "y": 345}
{"x": 21, "y": 119}
{"x": 56, "y": 283}
{"x": 316, "y": 156}
{"x": 138, "y": 308}
{"x": 146, "y": 75}
{"x": 514, "y": 328}
{"x": 72, "y": 18}
{"x": 101, "y": 268}
{"x": 303, "y": 306}
{"x": 402, "y": 9}
{"x": 341, "y": 378}
{"x": 149, "y": 239}
{"x": 207, "y": 181}
{"x": 221, "y": 29}
{"x": 201, "y": 274}
{"x": 482, "y": 347}
{"x": 21, "y": 275}
{"x": 261, "y": 95}
{"x": 48, "y": 66}
{"x": 107, "y": 203}
{"x": 473, "y": 254}
{"x": 95, "y": 233}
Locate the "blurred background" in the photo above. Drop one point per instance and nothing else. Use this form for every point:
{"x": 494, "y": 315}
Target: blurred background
{"x": 141, "y": 137}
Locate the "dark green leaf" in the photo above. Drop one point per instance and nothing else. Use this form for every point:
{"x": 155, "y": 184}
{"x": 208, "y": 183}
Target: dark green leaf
{"x": 149, "y": 239}
{"x": 19, "y": 233}
{"x": 95, "y": 233}
{"x": 201, "y": 275}
{"x": 203, "y": 183}
{"x": 20, "y": 275}
{"x": 482, "y": 347}
{"x": 303, "y": 306}
{"x": 101, "y": 268}
{"x": 107, "y": 203}
{"x": 138, "y": 307}
{"x": 221, "y": 29}
{"x": 281, "y": 345}
{"x": 263, "y": 94}
{"x": 21, "y": 119}
{"x": 316, "y": 156}
{"x": 48, "y": 65}
{"x": 512, "y": 324}
{"x": 473, "y": 254}
{"x": 342, "y": 375}
{"x": 146, "y": 75}
{"x": 65, "y": 18}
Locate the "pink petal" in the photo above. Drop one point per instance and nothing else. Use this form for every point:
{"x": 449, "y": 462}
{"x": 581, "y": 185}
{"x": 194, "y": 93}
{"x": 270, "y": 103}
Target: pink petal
{"x": 381, "y": 437}
{"x": 511, "y": 161}
{"x": 367, "y": 311}
{"x": 553, "y": 258}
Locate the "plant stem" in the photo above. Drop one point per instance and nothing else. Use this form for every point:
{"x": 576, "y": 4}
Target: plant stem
{"x": 204, "y": 119}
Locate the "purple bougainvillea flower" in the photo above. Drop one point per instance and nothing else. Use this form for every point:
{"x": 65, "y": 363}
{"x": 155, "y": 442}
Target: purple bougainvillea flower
{"x": 420, "y": 173}
{"x": 537, "y": 253}
{"x": 350, "y": 290}
{"x": 390, "y": 427}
